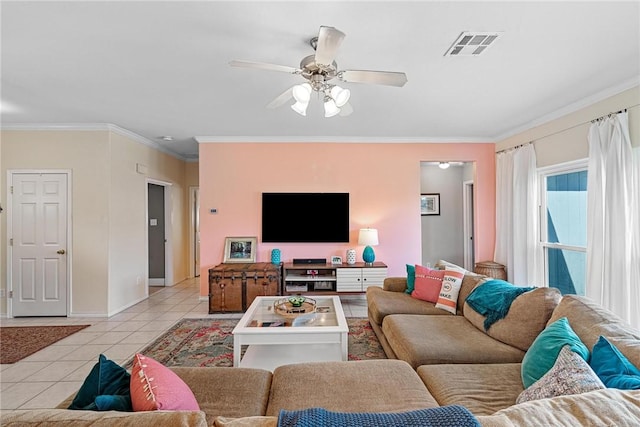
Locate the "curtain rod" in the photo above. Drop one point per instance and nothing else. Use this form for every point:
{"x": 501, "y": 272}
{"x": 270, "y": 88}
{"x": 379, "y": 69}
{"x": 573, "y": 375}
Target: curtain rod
{"x": 514, "y": 148}
{"x": 608, "y": 115}
{"x": 571, "y": 127}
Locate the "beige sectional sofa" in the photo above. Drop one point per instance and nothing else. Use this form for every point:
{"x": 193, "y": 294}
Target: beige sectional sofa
{"x": 445, "y": 360}
{"x": 461, "y": 363}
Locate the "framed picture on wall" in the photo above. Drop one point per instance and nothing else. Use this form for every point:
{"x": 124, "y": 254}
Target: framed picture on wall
{"x": 240, "y": 249}
{"x": 430, "y": 204}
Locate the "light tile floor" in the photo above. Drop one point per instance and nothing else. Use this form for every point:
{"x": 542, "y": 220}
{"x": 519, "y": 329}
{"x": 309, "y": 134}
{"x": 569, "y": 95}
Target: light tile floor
{"x": 49, "y": 376}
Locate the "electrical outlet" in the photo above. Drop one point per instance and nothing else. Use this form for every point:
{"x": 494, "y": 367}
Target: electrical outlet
{"x": 3, "y": 293}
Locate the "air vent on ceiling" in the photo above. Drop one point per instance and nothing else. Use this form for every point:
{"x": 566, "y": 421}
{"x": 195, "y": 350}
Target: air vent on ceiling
{"x": 472, "y": 43}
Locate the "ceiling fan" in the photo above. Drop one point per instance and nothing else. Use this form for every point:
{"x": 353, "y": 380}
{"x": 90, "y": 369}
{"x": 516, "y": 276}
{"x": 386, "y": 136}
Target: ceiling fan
{"x": 320, "y": 70}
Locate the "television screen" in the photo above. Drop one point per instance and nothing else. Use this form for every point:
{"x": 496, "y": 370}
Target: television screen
{"x": 305, "y": 217}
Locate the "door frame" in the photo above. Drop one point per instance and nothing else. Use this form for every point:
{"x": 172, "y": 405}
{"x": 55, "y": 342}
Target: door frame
{"x": 168, "y": 247}
{"x": 468, "y": 226}
{"x": 193, "y": 199}
{"x": 69, "y": 245}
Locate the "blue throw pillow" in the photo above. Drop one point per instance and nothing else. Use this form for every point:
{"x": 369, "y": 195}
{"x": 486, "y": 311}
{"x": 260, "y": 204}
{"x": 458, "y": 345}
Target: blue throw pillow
{"x": 613, "y": 368}
{"x": 100, "y": 390}
{"x": 544, "y": 350}
{"x": 411, "y": 278}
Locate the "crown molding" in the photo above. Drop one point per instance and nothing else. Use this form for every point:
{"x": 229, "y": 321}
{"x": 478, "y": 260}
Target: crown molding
{"x": 89, "y": 127}
{"x": 340, "y": 139}
{"x": 572, "y": 108}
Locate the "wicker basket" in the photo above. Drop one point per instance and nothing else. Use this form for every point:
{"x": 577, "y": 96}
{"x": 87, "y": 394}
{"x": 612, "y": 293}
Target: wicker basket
{"x": 491, "y": 269}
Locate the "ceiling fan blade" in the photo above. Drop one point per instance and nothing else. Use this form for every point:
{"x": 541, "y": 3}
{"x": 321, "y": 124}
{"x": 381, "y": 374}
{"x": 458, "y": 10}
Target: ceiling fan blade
{"x": 281, "y": 99}
{"x": 389, "y": 78}
{"x": 329, "y": 40}
{"x": 346, "y": 110}
{"x": 264, "y": 66}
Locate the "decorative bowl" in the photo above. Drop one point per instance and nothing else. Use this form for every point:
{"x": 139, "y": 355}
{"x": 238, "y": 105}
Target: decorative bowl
{"x": 297, "y": 301}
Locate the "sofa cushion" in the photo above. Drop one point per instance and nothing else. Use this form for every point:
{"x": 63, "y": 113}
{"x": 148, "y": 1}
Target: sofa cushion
{"x": 481, "y": 388}
{"x": 228, "y": 392}
{"x": 590, "y": 321}
{"x": 381, "y": 303}
{"x": 544, "y": 351}
{"x": 448, "y": 297}
{"x": 257, "y": 421}
{"x": 570, "y": 374}
{"x": 527, "y": 317}
{"x": 613, "y": 368}
{"x": 428, "y": 284}
{"x": 156, "y": 387}
{"x": 66, "y": 418}
{"x": 429, "y": 340}
{"x": 622, "y": 408}
{"x": 356, "y": 386}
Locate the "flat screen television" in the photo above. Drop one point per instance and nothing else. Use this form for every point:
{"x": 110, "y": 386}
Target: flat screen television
{"x": 305, "y": 217}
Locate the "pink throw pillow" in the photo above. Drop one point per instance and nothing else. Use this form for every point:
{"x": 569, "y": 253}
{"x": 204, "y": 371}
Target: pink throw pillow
{"x": 428, "y": 284}
{"x": 156, "y": 387}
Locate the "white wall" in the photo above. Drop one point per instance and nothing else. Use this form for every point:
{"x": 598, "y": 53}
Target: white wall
{"x": 109, "y": 210}
{"x": 442, "y": 235}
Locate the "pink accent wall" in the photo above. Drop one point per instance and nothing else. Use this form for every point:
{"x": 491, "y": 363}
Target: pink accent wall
{"x": 383, "y": 180}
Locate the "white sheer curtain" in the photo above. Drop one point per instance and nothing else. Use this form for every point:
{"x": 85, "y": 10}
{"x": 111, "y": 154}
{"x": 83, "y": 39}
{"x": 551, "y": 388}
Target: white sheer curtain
{"x": 516, "y": 210}
{"x": 612, "y": 219}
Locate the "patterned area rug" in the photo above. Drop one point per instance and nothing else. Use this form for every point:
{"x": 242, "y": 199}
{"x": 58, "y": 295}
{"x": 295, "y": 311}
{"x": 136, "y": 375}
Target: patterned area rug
{"x": 209, "y": 342}
{"x": 18, "y": 342}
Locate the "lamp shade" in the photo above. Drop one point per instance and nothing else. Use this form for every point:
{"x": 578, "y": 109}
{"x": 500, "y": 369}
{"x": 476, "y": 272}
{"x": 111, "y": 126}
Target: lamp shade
{"x": 340, "y": 96}
{"x": 368, "y": 237}
{"x": 330, "y": 107}
{"x": 300, "y": 108}
{"x": 302, "y": 93}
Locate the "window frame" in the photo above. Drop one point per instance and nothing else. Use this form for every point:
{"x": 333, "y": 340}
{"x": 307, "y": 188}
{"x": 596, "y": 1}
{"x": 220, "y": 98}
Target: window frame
{"x": 543, "y": 173}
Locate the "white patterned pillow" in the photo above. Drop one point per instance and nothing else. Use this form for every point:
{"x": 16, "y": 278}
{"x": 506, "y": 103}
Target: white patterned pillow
{"x": 569, "y": 375}
{"x": 448, "y": 297}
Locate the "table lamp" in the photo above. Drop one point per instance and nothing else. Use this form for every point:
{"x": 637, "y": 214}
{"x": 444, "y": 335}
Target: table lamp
{"x": 368, "y": 237}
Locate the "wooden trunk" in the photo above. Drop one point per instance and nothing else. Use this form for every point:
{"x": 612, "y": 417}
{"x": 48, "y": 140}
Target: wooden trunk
{"x": 234, "y": 286}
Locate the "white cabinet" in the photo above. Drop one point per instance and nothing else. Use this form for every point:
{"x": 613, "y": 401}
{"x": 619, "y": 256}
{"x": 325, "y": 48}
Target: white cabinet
{"x": 359, "y": 279}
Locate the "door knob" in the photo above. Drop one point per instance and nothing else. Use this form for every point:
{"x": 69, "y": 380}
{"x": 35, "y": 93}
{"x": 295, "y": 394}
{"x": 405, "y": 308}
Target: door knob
{"x": 61, "y": 251}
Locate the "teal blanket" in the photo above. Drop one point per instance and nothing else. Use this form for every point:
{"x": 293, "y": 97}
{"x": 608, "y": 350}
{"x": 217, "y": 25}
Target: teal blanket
{"x": 493, "y": 299}
{"x": 444, "y": 416}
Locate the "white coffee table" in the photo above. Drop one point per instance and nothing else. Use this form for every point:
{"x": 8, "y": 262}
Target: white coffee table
{"x": 322, "y": 338}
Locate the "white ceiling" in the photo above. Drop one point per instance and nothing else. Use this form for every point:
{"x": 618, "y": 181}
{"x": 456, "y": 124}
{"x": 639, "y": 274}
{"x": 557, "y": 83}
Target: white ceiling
{"x": 160, "y": 68}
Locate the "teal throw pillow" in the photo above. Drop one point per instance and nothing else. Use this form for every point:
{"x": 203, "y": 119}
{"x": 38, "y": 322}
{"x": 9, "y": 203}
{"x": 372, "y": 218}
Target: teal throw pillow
{"x": 105, "y": 388}
{"x": 544, "y": 350}
{"x": 113, "y": 402}
{"x": 411, "y": 278}
{"x": 613, "y": 368}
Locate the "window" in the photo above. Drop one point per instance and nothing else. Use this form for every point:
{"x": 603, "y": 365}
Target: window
{"x": 563, "y": 226}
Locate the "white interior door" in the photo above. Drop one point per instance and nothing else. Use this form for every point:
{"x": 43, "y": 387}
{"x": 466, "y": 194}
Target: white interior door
{"x": 39, "y": 221}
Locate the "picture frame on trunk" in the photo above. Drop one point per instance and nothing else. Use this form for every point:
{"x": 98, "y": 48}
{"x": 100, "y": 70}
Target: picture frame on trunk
{"x": 240, "y": 249}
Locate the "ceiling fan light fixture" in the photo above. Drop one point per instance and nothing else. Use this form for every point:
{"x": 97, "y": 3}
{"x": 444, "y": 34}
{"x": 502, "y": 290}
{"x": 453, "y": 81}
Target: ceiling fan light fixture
{"x": 302, "y": 92}
{"x": 300, "y": 107}
{"x": 330, "y": 107}
{"x": 340, "y": 96}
